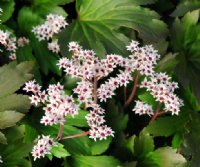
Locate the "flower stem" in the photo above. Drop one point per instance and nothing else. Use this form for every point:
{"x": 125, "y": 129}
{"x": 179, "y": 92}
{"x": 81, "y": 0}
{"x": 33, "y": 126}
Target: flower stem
{"x": 133, "y": 91}
{"x": 76, "y": 135}
{"x": 156, "y": 114}
{"x": 59, "y": 136}
{"x": 124, "y": 94}
{"x": 95, "y": 90}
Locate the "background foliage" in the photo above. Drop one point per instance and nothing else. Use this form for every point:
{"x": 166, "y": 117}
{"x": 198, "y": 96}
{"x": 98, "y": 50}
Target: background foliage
{"x": 105, "y": 26}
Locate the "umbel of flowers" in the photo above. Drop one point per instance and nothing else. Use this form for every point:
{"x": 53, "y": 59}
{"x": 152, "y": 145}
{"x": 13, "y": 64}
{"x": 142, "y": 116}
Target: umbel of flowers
{"x": 94, "y": 89}
{"x": 10, "y": 43}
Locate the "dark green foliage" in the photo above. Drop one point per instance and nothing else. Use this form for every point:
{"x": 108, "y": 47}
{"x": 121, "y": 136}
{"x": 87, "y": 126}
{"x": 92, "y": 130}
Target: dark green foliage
{"x": 106, "y": 26}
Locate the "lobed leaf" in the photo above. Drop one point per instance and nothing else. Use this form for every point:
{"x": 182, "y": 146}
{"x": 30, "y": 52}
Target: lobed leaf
{"x": 8, "y": 9}
{"x": 20, "y": 74}
{"x": 9, "y": 118}
{"x": 98, "y": 23}
{"x": 95, "y": 161}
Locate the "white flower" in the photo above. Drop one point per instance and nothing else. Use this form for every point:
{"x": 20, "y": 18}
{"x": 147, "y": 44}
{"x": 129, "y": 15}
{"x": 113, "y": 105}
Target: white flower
{"x": 53, "y": 46}
{"x": 53, "y": 25}
{"x": 162, "y": 90}
{"x": 74, "y": 46}
{"x": 43, "y": 147}
{"x": 133, "y": 46}
{"x": 12, "y": 56}
{"x": 141, "y": 108}
{"x": 22, "y": 41}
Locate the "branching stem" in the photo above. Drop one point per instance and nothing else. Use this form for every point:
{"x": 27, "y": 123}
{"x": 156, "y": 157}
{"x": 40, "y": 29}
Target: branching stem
{"x": 156, "y": 114}
{"x": 76, "y": 135}
{"x": 59, "y": 136}
{"x": 95, "y": 90}
{"x": 130, "y": 98}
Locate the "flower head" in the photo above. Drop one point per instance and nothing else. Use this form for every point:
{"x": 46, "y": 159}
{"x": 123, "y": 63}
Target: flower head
{"x": 141, "y": 108}
{"x": 53, "y": 46}
{"x": 43, "y": 147}
{"x": 53, "y": 25}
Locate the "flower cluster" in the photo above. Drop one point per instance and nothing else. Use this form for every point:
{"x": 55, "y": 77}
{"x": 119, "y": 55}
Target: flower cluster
{"x": 90, "y": 69}
{"x": 141, "y": 108}
{"x": 10, "y": 43}
{"x": 22, "y": 41}
{"x": 57, "y": 104}
{"x": 53, "y": 25}
{"x": 95, "y": 120}
{"x": 162, "y": 89}
{"x": 86, "y": 66}
{"x": 143, "y": 59}
{"x": 43, "y": 147}
{"x": 94, "y": 88}
{"x": 53, "y": 46}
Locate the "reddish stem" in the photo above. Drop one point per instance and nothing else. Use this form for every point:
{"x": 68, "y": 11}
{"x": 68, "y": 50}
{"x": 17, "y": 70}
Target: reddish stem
{"x": 133, "y": 90}
{"x": 76, "y": 135}
{"x": 124, "y": 93}
{"x": 95, "y": 90}
{"x": 156, "y": 114}
{"x": 162, "y": 113}
{"x": 59, "y": 136}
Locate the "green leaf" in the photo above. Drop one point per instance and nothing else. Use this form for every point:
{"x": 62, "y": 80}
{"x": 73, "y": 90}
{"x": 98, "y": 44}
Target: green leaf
{"x": 55, "y": 2}
{"x": 98, "y": 23}
{"x": 20, "y": 74}
{"x": 184, "y": 7}
{"x": 168, "y": 157}
{"x": 80, "y": 145}
{"x": 185, "y": 41}
{"x": 115, "y": 118}
{"x": 25, "y": 163}
{"x": 79, "y": 120}
{"x": 45, "y": 9}
{"x": 143, "y": 2}
{"x": 190, "y": 100}
{"x": 166, "y": 126}
{"x": 99, "y": 147}
{"x": 30, "y": 134}
{"x": 191, "y": 140}
{"x": 15, "y": 152}
{"x": 25, "y": 54}
{"x": 8, "y": 9}
{"x": 20, "y": 103}
{"x": 143, "y": 145}
{"x": 46, "y": 59}
{"x": 9, "y": 118}
{"x": 59, "y": 152}
{"x": 95, "y": 161}
{"x": 130, "y": 164}
{"x": 27, "y": 19}
{"x": 177, "y": 140}
{"x": 167, "y": 63}
{"x": 129, "y": 144}
{"x": 149, "y": 99}
{"x": 3, "y": 139}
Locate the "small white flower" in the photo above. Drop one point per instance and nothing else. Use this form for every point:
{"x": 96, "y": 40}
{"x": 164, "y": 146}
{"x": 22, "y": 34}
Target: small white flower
{"x": 12, "y": 56}
{"x": 53, "y": 25}
{"x": 43, "y": 147}
{"x": 53, "y": 46}
{"x": 22, "y": 41}
{"x": 141, "y": 108}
